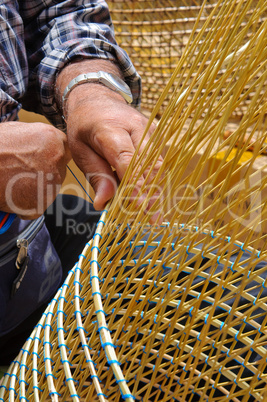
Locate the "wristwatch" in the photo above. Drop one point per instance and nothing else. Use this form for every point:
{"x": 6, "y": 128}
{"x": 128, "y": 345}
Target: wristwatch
{"x": 108, "y": 79}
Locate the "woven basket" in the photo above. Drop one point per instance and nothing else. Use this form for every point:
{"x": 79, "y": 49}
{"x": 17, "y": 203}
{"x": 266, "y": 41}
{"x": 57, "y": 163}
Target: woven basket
{"x": 193, "y": 328}
{"x": 155, "y": 34}
{"x": 175, "y": 311}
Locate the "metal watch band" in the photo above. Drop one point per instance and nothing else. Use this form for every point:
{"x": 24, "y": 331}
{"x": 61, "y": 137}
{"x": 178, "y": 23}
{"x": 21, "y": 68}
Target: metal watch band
{"x": 109, "y": 80}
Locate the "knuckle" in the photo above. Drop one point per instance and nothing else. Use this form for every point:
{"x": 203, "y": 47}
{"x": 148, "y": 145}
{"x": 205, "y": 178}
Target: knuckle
{"x": 158, "y": 165}
{"x": 152, "y": 128}
{"x": 54, "y": 144}
{"x": 124, "y": 157}
{"x": 95, "y": 180}
{"x": 139, "y": 119}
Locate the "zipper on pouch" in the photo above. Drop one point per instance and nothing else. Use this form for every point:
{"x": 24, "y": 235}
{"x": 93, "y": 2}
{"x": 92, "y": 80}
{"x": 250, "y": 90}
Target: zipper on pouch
{"x": 21, "y": 264}
{"x": 20, "y": 252}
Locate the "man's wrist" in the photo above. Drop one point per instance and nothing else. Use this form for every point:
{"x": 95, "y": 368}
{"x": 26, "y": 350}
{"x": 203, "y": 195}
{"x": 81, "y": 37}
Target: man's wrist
{"x": 72, "y": 70}
{"x": 109, "y": 80}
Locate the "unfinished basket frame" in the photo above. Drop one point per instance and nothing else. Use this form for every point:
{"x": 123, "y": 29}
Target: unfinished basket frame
{"x": 173, "y": 311}
{"x": 155, "y": 34}
{"x": 173, "y": 329}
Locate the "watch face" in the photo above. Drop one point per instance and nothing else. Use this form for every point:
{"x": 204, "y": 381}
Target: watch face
{"x": 117, "y": 84}
{"x": 116, "y": 81}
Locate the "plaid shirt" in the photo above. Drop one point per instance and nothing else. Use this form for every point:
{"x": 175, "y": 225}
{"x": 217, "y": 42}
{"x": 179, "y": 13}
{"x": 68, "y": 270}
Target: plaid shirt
{"x": 38, "y": 38}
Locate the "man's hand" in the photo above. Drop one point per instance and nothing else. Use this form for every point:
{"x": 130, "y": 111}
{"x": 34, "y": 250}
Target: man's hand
{"x": 33, "y": 158}
{"x": 103, "y": 134}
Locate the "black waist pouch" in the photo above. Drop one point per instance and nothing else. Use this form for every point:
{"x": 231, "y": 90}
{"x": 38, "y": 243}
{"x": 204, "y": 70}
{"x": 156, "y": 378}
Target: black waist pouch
{"x": 30, "y": 271}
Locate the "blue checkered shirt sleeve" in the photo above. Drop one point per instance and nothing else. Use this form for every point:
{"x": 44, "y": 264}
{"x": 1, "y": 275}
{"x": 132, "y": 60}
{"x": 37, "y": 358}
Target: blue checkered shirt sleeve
{"x": 47, "y": 35}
